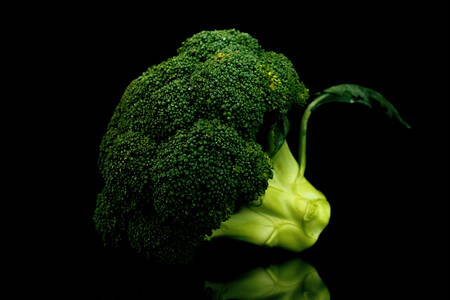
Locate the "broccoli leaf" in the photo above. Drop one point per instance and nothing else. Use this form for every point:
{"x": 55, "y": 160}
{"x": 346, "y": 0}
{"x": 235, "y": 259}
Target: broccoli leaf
{"x": 347, "y": 93}
{"x": 352, "y": 93}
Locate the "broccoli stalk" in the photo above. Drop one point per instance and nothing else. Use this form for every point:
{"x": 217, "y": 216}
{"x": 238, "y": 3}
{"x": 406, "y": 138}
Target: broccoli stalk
{"x": 292, "y": 213}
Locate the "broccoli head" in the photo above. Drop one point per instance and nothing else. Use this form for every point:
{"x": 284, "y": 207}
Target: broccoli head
{"x": 180, "y": 154}
{"x": 196, "y": 149}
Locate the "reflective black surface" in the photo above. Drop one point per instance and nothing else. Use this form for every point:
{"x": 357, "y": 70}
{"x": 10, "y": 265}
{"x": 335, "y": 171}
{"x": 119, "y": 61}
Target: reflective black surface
{"x": 387, "y": 186}
{"x": 292, "y": 279}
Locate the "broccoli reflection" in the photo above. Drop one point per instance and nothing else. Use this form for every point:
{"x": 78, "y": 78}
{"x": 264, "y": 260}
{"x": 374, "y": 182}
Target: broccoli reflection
{"x": 291, "y": 280}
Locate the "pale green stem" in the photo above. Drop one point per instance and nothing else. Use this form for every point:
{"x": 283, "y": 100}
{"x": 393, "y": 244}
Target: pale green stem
{"x": 302, "y": 140}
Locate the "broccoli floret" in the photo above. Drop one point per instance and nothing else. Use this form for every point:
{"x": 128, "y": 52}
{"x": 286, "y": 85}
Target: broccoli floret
{"x": 196, "y": 149}
{"x": 239, "y": 87}
{"x": 200, "y": 177}
{"x": 205, "y": 44}
{"x": 205, "y": 173}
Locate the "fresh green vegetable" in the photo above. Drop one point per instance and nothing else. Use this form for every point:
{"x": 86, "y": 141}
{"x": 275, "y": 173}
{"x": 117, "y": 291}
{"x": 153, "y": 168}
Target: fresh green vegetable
{"x": 293, "y": 279}
{"x": 197, "y": 149}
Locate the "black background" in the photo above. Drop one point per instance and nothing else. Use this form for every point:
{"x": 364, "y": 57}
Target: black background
{"x": 387, "y": 186}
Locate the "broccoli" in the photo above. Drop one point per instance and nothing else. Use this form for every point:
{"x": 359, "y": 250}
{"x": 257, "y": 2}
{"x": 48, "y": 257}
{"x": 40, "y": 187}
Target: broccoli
{"x": 196, "y": 149}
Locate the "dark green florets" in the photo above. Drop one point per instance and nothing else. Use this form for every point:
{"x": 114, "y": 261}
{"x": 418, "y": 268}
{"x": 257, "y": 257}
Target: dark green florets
{"x": 205, "y": 44}
{"x": 230, "y": 88}
{"x": 205, "y": 173}
{"x": 180, "y": 154}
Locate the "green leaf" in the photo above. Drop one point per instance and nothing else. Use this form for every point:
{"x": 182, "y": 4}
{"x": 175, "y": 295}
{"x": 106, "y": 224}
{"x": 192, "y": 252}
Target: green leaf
{"x": 347, "y": 93}
{"x": 277, "y": 135}
{"x": 352, "y": 93}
